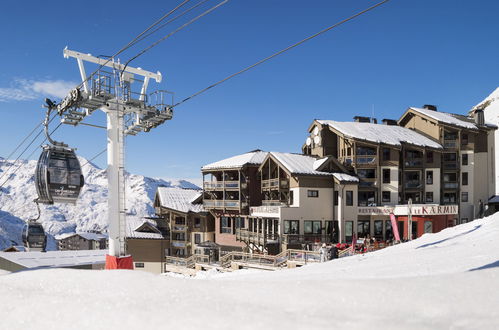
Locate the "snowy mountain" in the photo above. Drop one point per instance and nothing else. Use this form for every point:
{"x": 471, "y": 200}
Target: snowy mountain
{"x": 90, "y": 211}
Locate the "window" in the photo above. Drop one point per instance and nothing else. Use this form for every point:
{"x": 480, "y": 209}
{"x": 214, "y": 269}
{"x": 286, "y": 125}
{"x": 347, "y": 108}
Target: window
{"x": 139, "y": 265}
{"x": 239, "y": 222}
{"x": 415, "y": 196}
{"x": 366, "y": 173}
{"x": 464, "y": 139}
{"x": 225, "y": 225}
{"x": 348, "y": 231}
{"x": 197, "y": 223}
{"x": 366, "y": 151}
{"x": 332, "y": 230}
{"x": 378, "y": 229}
{"x": 450, "y": 157}
{"x": 179, "y": 236}
{"x": 465, "y": 178}
{"x": 179, "y": 220}
{"x": 366, "y": 198}
{"x": 412, "y": 179}
{"x": 349, "y": 198}
{"x": 464, "y": 196}
{"x": 386, "y": 154}
{"x": 428, "y": 227}
{"x": 386, "y": 196}
{"x": 197, "y": 238}
{"x": 291, "y": 197}
{"x": 313, "y": 193}
{"x": 388, "y": 229}
{"x": 349, "y": 151}
{"x": 429, "y": 177}
{"x": 312, "y": 227}
{"x": 386, "y": 175}
{"x": 336, "y": 197}
{"x": 429, "y": 197}
{"x": 363, "y": 228}
{"x": 291, "y": 227}
{"x": 429, "y": 156}
{"x": 464, "y": 158}
{"x": 449, "y": 198}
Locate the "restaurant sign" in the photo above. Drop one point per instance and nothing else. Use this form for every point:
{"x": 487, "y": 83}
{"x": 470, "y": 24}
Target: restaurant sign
{"x": 417, "y": 209}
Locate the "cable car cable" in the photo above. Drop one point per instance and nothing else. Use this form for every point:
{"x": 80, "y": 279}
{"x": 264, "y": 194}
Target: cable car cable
{"x": 281, "y": 51}
{"x": 170, "y": 21}
{"x": 25, "y": 149}
{"x": 175, "y": 31}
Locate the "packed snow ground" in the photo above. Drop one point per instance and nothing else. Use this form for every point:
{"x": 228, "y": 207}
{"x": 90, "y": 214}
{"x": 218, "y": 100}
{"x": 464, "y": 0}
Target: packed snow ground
{"x": 448, "y": 280}
{"x": 90, "y": 211}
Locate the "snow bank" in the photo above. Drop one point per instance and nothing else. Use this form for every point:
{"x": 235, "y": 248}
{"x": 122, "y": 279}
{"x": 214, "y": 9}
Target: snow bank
{"x": 440, "y": 281}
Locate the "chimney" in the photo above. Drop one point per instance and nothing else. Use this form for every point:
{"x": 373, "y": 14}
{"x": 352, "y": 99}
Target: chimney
{"x": 374, "y": 120}
{"x": 389, "y": 122}
{"x": 479, "y": 118}
{"x": 430, "y": 107}
{"x": 360, "y": 119}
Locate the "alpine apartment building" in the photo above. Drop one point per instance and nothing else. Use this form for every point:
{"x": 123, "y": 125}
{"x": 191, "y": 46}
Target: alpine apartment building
{"x": 350, "y": 178}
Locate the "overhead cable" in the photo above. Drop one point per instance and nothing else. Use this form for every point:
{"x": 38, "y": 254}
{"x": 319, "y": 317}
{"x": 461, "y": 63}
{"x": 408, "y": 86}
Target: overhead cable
{"x": 281, "y": 51}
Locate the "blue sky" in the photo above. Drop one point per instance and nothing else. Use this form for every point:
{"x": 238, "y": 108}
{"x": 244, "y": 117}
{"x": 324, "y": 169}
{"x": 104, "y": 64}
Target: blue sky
{"x": 405, "y": 53}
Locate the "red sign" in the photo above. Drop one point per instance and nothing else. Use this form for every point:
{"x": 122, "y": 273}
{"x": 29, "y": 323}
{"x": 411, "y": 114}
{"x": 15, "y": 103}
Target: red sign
{"x": 395, "y": 228}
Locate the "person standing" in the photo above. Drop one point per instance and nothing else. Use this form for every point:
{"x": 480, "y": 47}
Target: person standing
{"x": 323, "y": 252}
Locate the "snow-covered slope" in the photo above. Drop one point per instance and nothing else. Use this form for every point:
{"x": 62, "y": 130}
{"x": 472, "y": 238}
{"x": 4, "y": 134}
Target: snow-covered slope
{"x": 447, "y": 280}
{"x": 89, "y": 213}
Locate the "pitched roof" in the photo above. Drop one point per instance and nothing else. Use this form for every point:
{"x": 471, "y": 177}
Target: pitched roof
{"x": 178, "y": 199}
{"x": 387, "y": 134}
{"x": 134, "y": 229}
{"x": 250, "y": 158}
{"x": 343, "y": 177}
{"x": 85, "y": 235}
{"x": 297, "y": 163}
{"x": 448, "y": 118}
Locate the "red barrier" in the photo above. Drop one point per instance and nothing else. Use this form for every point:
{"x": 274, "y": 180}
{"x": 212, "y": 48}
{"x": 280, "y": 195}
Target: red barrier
{"x": 113, "y": 262}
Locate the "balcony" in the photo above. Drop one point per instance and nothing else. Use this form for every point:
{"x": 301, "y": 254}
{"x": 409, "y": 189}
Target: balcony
{"x": 220, "y": 185}
{"x": 215, "y": 204}
{"x": 178, "y": 244}
{"x": 366, "y": 160}
{"x": 450, "y": 144}
{"x": 415, "y": 162}
{"x": 274, "y": 184}
{"x": 413, "y": 184}
{"x": 305, "y": 239}
{"x": 273, "y": 203}
{"x": 451, "y": 185}
{"x": 367, "y": 184}
{"x": 181, "y": 228}
{"x": 451, "y": 165}
{"x": 244, "y": 235}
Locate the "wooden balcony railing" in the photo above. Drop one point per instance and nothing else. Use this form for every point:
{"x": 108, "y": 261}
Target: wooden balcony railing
{"x": 219, "y": 185}
{"x": 220, "y": 204}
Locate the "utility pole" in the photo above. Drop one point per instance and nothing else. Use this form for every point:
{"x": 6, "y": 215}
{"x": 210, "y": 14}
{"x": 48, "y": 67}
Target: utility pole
{"x": 129, "y": 111}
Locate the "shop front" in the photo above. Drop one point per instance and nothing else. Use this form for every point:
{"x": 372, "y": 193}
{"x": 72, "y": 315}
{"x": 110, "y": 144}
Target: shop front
{"x": 426, "y": 218}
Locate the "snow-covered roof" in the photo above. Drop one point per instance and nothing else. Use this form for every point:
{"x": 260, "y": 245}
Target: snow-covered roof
{"x": 298, "y": 164}
{"x": 85, "y": 235}
{"x": 319, "y": 162}
{"x": 343, "y": 177}
{"x": 56, "y": 258}
{"x": 180, "y": 199}
{"x": 447, "y": 118}
{"x": 387, "y": 134}
{"x": 249, "y": 158}
{"x": 134, "y": 225}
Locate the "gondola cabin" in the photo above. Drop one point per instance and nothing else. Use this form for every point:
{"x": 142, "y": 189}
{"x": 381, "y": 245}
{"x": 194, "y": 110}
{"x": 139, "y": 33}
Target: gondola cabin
{"x": 58, "y": 176}
{"x": 34, "y": 237}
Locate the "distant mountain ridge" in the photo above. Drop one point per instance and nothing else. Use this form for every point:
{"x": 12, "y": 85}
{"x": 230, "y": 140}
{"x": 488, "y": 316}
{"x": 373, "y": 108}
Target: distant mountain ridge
{"x": 90, "y": 211}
